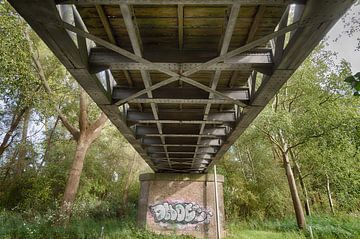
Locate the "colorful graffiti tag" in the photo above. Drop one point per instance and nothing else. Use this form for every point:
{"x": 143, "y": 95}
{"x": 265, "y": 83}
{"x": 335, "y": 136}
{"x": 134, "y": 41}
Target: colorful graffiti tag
{"x": 180, "y": 213}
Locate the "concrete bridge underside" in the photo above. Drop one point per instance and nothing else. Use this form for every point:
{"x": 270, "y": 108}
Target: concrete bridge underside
{"x": 181, "y": 80}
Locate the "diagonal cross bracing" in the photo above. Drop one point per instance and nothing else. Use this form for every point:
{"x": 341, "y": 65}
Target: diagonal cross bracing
{"x": 183, "y": 76}
{"x": 169, "y": 138}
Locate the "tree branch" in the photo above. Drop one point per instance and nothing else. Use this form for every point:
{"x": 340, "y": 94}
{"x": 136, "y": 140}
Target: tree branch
{"x": 272, "y": 139}
{"x": 99, "y": 122}
{"x": 75, "y": 132}
{"x": 49, "y": 139}
{"x": 305, "y": 140}
{"x": 13, "y": 125}
{"x": 98, "y": 125}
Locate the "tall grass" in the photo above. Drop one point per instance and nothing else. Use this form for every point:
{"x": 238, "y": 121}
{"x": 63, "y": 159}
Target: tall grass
{"x": 30, "y": 226}
{"x": 14, "y": 225}
{"x": 322, "y": 226}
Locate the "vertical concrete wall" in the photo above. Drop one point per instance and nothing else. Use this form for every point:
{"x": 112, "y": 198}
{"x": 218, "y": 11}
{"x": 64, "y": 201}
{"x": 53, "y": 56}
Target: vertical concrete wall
{"x": 182, "y": 204}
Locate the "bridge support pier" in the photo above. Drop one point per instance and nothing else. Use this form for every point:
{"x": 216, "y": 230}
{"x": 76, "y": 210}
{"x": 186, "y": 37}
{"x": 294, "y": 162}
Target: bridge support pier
{"x": 182, "y": 204}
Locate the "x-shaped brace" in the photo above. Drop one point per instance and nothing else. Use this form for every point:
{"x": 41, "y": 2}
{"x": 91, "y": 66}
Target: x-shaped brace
{"x": 185, "y": 75}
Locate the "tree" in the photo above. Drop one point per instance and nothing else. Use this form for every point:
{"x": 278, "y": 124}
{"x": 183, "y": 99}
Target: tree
{"x": 312, "y": 108}
{"x": 84, "y": 135}
{"x": 354, "y": 82}
{"x": 351, "y": 25}
{"x": 17, "y": 80}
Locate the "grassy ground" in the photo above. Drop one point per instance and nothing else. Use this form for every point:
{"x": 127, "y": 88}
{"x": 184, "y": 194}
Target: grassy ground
{"x": 16, "y": 226}
{"x": 252, "y": 234}
{"x": 324, "y": 226}
{"x": 245, "y": 231}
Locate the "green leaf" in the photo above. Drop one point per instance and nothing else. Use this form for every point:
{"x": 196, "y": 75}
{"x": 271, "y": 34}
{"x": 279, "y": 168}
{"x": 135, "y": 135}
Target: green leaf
{"x": 356, "y": 93}
{"x": 350, "y": 79}
{"x": 357, "y": 85}
{"x": 357, "y": 75}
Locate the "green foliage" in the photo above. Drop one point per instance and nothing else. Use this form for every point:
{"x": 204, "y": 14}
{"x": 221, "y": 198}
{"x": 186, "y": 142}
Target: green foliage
{"x": 17, "y": 78}
{"x": 354, "y": 82}
{"x": 16, "y": 226}
{"x": 256, "y": 234}
{"x": 30, "y": 225}
{"x": 249, "y": 188}
{"x": 322, "y": 226}
{"x": 316, "y": 115}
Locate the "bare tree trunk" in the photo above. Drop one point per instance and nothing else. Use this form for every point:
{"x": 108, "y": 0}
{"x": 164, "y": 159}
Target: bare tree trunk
{"x": 73, "y": 181}
{"x": 302, "y": 184}
{"x": 21, "y": 163}
{"x": 304, "y": 189}
{"x": 251, "y": 161}
{"x": 329, "y": 194}
{"x": 13, "y": 125}
{"x": 10, "y": 164}
{"x": 48, "y": 143}
{"x": 241, "y": 160}
{"x": 125, "y": 198}
{"x": 84, "y": 136}
{"x": 300, "y": 218}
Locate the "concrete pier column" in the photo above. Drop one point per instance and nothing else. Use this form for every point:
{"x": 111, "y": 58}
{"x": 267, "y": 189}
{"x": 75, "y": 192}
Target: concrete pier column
{"x": 182, "y": 204}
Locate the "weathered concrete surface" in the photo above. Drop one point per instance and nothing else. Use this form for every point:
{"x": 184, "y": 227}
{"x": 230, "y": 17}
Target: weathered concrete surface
{"x": 182, "y": 204}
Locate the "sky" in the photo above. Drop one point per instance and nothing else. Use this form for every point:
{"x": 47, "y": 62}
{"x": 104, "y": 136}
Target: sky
{"x": 345, "y": 45}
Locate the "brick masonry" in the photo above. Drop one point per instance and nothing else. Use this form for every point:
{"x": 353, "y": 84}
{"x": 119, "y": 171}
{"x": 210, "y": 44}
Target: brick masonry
{"x": 182, "y": 204}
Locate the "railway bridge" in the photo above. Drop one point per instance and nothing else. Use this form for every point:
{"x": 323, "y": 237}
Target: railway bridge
{"x": 181, "y": 80}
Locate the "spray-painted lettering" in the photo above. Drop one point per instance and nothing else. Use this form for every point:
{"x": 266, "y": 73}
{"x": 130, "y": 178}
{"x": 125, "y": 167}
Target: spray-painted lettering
{"x": 180, "y": 212}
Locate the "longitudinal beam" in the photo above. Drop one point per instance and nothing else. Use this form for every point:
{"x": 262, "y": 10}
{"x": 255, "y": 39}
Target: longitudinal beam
{"x": 254, "y": 26}
{"x": 109, "y": 32}
{"x": 145, "y": 75}
{"x": 181, "y": 25}
{"x": 224, "y": 48}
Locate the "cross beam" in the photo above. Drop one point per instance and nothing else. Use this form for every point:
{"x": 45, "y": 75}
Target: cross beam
{"x": 158, "y": 136}
{"x": 101, "y": 58}
{"x": 181, "y": 93}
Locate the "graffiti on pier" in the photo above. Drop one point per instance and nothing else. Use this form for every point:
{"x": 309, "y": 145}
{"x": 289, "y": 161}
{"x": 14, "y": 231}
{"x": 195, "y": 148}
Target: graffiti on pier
{"x": 180, "y": 213}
